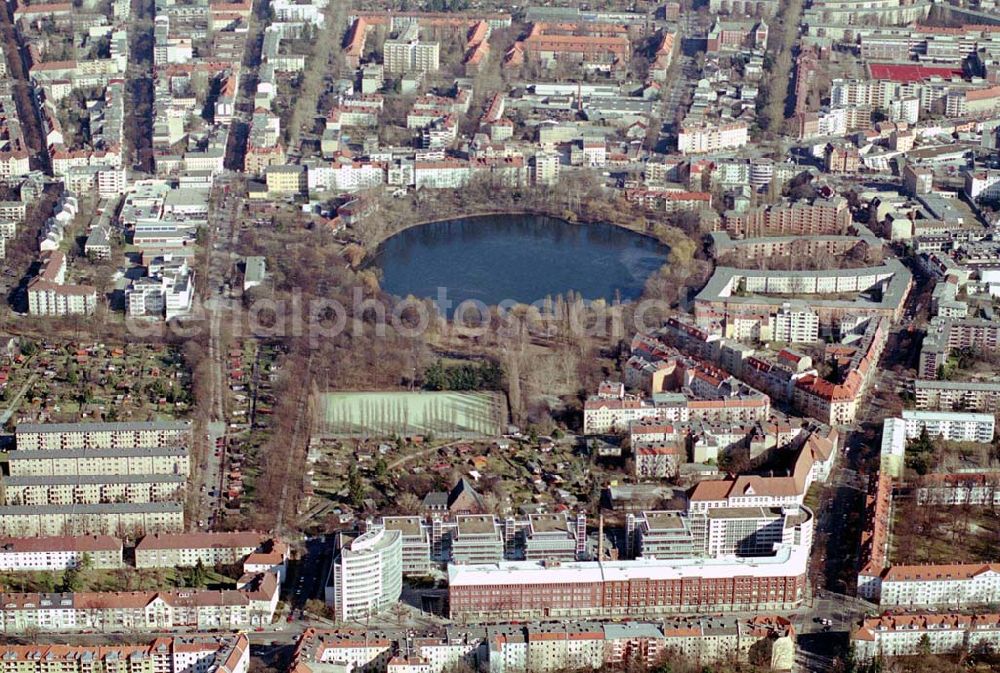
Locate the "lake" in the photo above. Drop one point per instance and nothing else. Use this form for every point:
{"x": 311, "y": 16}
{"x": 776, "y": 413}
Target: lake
{"x": 523, "y": 258}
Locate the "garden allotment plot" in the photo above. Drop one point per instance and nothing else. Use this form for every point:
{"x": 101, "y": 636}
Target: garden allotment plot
{"x": 445, "y": 414}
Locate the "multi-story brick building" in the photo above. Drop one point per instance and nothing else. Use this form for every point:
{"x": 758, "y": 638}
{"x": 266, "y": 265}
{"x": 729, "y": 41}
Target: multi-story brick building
{"x": 534, "y": 590}
{"x": 600, "y": 47}
{"x": 820, "y": 217}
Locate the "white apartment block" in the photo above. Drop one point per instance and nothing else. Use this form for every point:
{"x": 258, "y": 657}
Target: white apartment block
{"x": 406, "y": 53}
{"x": 702, "y": 139}
{"x": 946, "y": 395}
{"x": 959, "y": 585}
{"x": 50, "y": 299}
{"x": 366, "y": 575}
{"x": 102, "y": 519}
{"x": 32, "y": 436}
{"x": 950, "y": 425}
{"x": 789, "y": 325}
{"x": 123, "y": 461}
{"x": 447, "y": 174}
{"x": 982, "y": 183}
{"x": 91, "y": 489}
{"x": 251, "y": 606}
{"x": 901, "y": 635}
{"x": 545, "y": 168}
{"x": 756, "y": 531}
{"x": 19, "y": 554}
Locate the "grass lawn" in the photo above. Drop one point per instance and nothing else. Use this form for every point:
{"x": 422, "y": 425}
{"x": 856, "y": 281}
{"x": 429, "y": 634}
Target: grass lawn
{"x": 385, "y": 414}
{"x": 124, "y": 579}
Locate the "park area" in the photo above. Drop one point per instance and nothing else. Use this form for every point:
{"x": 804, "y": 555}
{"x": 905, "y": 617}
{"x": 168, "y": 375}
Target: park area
{"x": 939, "y": 534}
{"x": 406, "y": 414}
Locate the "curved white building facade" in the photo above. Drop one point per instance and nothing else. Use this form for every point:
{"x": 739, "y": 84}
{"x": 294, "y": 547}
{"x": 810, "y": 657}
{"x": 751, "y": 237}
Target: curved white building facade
{"x": 366, "y": 576}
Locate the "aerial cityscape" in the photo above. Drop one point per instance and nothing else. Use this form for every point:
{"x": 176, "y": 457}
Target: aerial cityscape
{"x": 456, "y": 336}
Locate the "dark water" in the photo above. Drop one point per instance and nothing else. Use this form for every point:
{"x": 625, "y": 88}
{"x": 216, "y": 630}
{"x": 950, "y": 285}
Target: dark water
{"x": 523, "y": 258}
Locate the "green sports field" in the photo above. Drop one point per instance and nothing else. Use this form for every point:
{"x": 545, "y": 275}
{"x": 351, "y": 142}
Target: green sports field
{"x": 446, "y": 414}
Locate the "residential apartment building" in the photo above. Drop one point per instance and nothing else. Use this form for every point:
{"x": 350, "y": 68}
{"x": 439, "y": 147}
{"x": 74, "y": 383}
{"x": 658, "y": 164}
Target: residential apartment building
{"x": 964, "y": 488}
{"x": 35, "y": 436}
{"x": 874, "y": 550}
{"x": 957, "y": 395}
{"x": 890, "y": 636}
{"x": 165, "y": 550}
{"x": 48, "y": 295}
{"x": 712, "y": 137}
{"x": 443, "y": 174}
{"x": 598, "y": 49}
{"x": 813, "y": 462}
{"x": 548, "y": 647}
{"x": 124, "y": 461}
{"x": 982, "y": 184}
{"x": 957, "y": 585}
{"x": 59, "y": 553}
{"x": 950, "y": 425}
{"x": 800, "y": 218}
{"x": 406, "y": 53}
{"x": 285, "y": 180}
{"x": 91, "y": 489}
{"x": 366, "y": 576}
{"x": 122, "y": 519}
{"x": 181, "y": 654}
{"x": 794, "y": 325}
{"x": 355, "y": 650}
{"x": 545, "y": 168}
{"x": 658, "y": 460}
{"x": 945, "y": 334}
{"x": 250, "y": 606}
